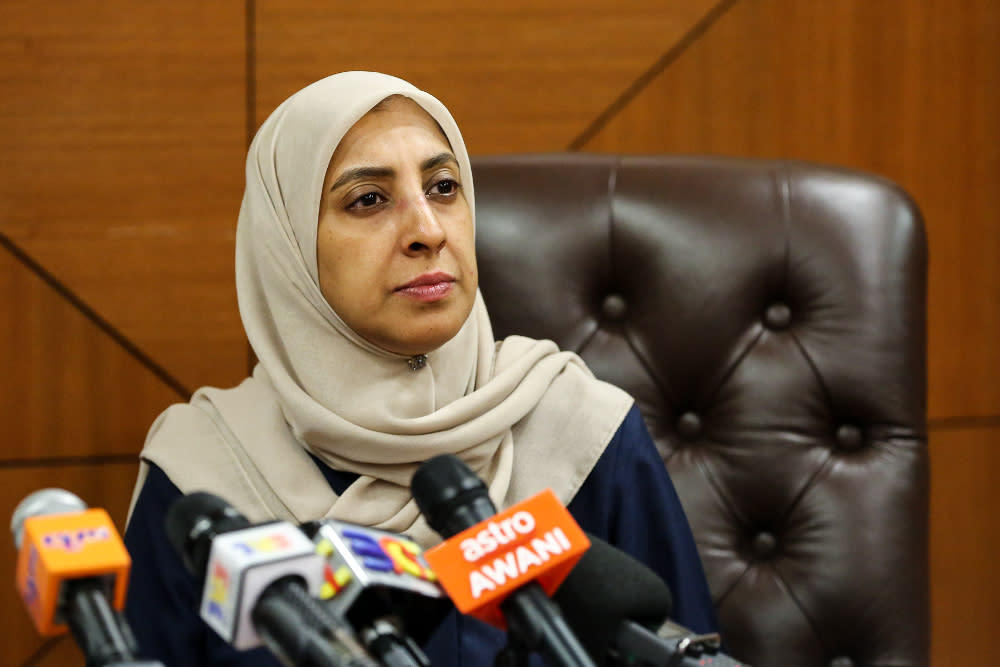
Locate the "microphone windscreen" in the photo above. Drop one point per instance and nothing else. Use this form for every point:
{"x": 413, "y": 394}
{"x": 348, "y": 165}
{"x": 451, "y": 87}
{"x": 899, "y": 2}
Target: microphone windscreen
{"x": 43, "y": 502}
{"x": 193, "y": 521}
{"x": 606, "y": 588}
{"x": 450, "y": 495}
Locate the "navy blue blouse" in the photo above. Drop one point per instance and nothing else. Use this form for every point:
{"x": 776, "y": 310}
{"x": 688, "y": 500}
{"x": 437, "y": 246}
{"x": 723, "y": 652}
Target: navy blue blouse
{"x": 628, "y": 500}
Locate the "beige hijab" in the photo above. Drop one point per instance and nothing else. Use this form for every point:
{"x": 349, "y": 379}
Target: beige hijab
{"x": 521, "y": 413}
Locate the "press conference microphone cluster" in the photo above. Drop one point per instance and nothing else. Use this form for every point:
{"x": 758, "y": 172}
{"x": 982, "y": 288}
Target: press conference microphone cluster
{"x": 621, "y": 609}
{"x": 502, "y": 567}
{"x": 72, "y": 574}
{"x": 379, "y": 582}
{"x": 260, "y": 584}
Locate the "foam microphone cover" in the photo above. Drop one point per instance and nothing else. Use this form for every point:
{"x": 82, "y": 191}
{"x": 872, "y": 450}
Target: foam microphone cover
{"x": 450, "y": 495}
{"x": 193, "y": 521}
{"x": 607, "y": 588}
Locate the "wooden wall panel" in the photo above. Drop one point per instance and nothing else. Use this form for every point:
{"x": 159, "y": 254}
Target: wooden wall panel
{"x": 518, "y": 76}
{"x": 68, "y": 390}
{"x": 965, "y": 541}
{"x": 123, "y": 131}
{"x": 98, "y": 485}
{"x": 907, "y": 90}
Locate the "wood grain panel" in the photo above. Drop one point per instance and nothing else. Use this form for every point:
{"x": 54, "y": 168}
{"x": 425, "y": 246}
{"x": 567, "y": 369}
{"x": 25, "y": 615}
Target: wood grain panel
{"x": 965, "y": 541}
{"x": 517, "y": 75}
{"x": 68, "y": 388}
{"x": 122, "y": 127}
{"x": 107, "y": 486}
{"x": 907, "y": 90}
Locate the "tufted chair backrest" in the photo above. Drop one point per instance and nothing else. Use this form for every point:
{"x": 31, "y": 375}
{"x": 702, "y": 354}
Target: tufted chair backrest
{"x": 769, "y": 319}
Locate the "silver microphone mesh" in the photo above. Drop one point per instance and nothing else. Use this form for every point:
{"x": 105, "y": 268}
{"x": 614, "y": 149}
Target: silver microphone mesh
{"x": 43, "y": 502}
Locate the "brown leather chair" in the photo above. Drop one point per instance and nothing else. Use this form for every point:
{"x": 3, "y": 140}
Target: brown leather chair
{"x": 769, "y": 318}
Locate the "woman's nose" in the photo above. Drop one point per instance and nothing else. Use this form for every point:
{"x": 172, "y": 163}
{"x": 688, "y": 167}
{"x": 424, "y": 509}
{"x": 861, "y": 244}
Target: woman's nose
{"x": 423, "y": 230}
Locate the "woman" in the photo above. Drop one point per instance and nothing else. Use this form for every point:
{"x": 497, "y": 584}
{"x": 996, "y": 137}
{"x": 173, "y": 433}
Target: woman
{"x": 357, "y": 286}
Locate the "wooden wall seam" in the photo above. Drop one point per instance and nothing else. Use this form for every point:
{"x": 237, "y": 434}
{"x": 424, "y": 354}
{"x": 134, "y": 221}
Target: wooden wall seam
{"x": 42, "y": 651}
{"x": 93, "y": 316}
{"x": 643, "y": 80}
{"x": 958, "y": 422}
{"x": 64, "y": 461}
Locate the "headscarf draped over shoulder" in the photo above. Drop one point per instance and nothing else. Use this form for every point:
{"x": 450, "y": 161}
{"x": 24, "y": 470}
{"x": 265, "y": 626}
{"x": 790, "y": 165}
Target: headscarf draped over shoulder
{"x": 524, "y": 415}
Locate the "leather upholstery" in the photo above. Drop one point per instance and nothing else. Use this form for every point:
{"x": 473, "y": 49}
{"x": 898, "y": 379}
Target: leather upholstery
{"x": 769, "y": 318}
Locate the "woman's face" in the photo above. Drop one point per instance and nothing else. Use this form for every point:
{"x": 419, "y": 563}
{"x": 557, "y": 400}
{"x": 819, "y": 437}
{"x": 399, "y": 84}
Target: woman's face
{"x": 395, "y": 246}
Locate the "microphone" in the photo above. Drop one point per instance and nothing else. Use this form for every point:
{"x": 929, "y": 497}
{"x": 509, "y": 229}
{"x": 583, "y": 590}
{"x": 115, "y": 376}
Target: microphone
{"x": 72, "y": 574}
{"x": 500, "y": 568}
{"x": 380, "y": 582}
{"x": 259, "y": 582}
{"x": 619, "y": 606}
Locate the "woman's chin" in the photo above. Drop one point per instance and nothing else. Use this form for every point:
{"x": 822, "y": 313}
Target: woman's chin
{"x": 418, "y": 343}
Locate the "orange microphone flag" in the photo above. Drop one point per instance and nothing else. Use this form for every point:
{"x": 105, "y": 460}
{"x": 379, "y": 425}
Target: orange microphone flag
{"x": 57, "y": 548}
{"x": 535, "y": 540}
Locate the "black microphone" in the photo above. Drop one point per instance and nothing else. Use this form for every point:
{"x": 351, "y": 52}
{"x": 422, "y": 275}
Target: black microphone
{"x": 454, "y": 499}
{"x": 380, "y": 582}
{"x": 72, "y": 574}
{"x": 620, "y": 608}
{"x": 258, "y": 584}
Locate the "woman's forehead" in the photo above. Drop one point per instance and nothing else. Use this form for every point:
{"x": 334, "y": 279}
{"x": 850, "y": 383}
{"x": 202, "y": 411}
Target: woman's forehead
{"x": 395, "y": 118}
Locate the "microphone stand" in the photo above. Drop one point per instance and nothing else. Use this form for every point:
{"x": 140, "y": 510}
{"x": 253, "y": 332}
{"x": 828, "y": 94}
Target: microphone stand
{"x": 392, "y": 648}
{"x": 99, "y": 630}
{"x": 536, "y": 623}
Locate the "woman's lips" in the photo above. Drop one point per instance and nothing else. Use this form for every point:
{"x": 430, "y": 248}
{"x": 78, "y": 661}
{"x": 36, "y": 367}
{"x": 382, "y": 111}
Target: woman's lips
{"x": 428, "y": 287}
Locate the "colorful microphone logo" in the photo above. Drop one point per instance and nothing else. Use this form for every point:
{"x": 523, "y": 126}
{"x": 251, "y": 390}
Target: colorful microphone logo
{"x": 218, "y": 591}
{"x": 370, "y": 557}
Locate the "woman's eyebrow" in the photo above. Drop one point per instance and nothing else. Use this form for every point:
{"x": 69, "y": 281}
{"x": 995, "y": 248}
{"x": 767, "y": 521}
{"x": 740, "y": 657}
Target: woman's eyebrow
{"x": 437, "y": 161}
{"x": 362, "y": 173}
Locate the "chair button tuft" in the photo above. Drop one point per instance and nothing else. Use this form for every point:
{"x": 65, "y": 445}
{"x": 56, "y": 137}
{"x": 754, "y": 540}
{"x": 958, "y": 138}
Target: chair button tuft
{"x": 614, "y": 307}
{"x": 849, "y": 437}
{"x": 777, "y": 316}
{"x": 764, "y": 544}
{"x": 689, "y": 425}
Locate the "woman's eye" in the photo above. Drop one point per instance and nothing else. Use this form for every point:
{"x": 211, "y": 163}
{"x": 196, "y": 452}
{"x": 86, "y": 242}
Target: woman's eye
{"x": 367, "y": 200}
{"x": 445, "y": 187}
